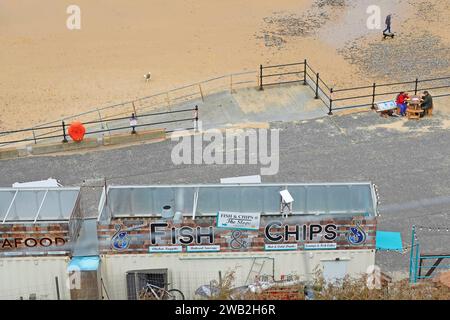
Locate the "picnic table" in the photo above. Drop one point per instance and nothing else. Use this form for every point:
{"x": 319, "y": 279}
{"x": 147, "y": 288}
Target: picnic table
{"x": 414, "y": 109}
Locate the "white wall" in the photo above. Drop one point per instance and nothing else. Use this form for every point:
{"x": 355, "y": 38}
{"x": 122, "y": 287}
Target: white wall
{"x": 189, "y": 271}
{"x": 22, "y": 276}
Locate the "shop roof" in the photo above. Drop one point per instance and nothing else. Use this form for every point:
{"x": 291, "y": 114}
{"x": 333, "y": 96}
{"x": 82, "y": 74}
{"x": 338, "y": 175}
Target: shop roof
{"x": 205, "y": 200}
{"x": 37, "y": 205}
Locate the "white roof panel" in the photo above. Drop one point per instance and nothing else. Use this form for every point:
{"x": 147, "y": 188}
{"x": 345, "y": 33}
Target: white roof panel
{"x": 36, "y": 205}
{"x": 315, "y": 198}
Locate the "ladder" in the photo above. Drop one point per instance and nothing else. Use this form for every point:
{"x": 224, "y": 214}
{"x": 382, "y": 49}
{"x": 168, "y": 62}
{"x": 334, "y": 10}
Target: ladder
{"x": 255, "y": 270}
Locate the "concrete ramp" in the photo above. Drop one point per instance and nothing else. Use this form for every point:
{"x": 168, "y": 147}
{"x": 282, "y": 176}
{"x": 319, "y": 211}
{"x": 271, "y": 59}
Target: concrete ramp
{"x": 245, "y": 107}
{"x": 275, "y": 103}
{"x": 281, "y": 103}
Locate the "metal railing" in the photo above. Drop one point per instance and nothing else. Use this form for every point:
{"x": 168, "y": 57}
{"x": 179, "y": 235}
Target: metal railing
{"x": 194, "y": 93}
{"x": 300, "y": 72}
{"x": 109, "y": 125}
{"x": 346, "y": 98}
{"x": 366, "y": 96}
{"x": 417, "y": 260}
{"x": 296, "y": 72}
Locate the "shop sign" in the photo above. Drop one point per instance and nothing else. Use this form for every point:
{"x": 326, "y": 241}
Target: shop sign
{"x": 213, "y": 236}
{"x": 165, "y": 249}
{"x": 206, "y": 248}
{"x": 238, "y": 220}
{"x": 30, "y": 242}
{"x": 280, "y": 247}
{"x": 320, "y": 246}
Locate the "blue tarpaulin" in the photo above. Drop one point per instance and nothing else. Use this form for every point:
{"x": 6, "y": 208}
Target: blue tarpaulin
{"x": 387, "y": 240}
{"x": 84, "y": 263}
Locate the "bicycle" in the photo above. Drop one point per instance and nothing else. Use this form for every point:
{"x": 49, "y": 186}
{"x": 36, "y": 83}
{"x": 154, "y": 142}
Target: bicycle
{"x": 152, "y": 292}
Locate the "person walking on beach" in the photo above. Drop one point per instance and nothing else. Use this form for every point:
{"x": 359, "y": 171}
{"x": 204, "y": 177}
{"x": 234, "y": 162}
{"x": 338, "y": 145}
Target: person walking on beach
{"x": 388, "y": 24}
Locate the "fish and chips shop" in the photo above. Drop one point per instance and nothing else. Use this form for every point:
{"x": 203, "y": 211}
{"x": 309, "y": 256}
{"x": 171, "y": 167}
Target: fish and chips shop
{"x": 181, "y": 237}
{"x": 190, "y": 235}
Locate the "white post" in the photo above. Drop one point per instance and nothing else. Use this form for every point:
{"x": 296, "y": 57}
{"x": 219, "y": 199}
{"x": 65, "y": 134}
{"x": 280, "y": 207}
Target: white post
{"x": 40, "y": 206}
{"x": 10, "y": 206}
{"x": 194, "y": 208}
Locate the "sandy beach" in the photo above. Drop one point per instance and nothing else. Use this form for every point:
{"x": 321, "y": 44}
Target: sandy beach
{"x": 49, "y": 71}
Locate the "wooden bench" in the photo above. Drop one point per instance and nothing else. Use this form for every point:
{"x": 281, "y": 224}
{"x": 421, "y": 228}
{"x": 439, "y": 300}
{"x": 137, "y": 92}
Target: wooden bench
{"x": 413, "y": 113}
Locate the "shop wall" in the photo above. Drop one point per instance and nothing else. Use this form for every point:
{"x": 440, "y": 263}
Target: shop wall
{"x": 188, "y": 271}
{"x": 25, "y": 276}
{"x": 140, "y": 235}
{"x": 34, "y": 239}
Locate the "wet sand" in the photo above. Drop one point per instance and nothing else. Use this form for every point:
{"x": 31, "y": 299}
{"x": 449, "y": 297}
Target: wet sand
{"x": 49, "y": 71}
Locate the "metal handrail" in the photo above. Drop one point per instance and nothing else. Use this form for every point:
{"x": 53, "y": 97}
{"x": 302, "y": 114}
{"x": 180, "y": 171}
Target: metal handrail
{"x": 163, "y": 93}
{"x": 284, "y": 65}
{"x": 44, "y": 137}
{"x": 282, "y": 74}
{"x": 318, "y": 83}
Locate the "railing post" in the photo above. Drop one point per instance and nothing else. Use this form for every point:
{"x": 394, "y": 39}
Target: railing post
{"x": 417, "y": 83}
{"x": 34, "y": 137}
{"x": 64, "y": 132}
{"x": 134, "y": 108}
{"x": 196, "y": 118}
{"x": 411, "y": 255}
{"x": 317, "y": 86}
{"x": 416, "y": 267}
{"x": 261, "y": 77}
{"x": 420, "y": 267}
{"x": 304, "y": 72}
{"x": 100, "y": 118}
{"x": 58, "y": 297}
{"x": 373, "y": 95}
{"x": 201, "y": 92}
{"x": 168, "y": 99}
{"x": 331, "y": 102}
{"x": 231, "y": 83}
{"x": 133, "y": 123}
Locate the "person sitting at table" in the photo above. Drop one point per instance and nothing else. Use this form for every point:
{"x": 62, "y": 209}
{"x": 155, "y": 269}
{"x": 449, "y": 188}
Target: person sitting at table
{"x": 427, "y": 103}
{"x": 401, "y": 102}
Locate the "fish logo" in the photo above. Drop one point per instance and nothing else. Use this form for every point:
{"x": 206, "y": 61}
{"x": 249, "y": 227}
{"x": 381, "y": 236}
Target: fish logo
{"x": 121, "y": 239}
{"x": 356, "y": 234}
